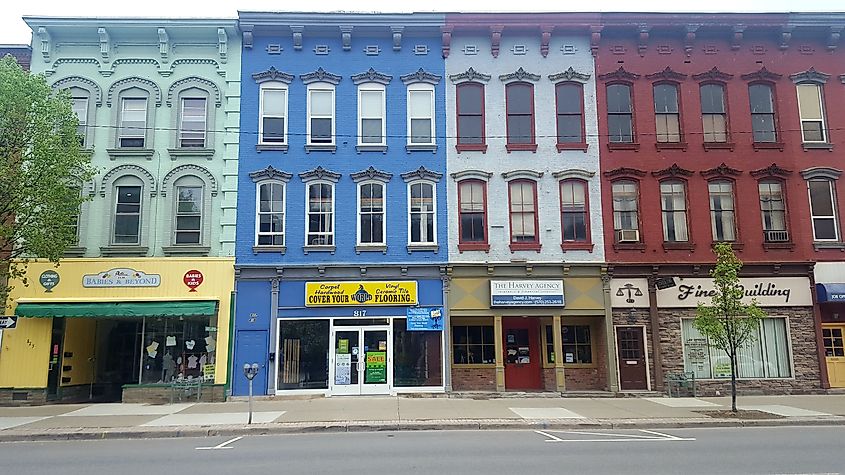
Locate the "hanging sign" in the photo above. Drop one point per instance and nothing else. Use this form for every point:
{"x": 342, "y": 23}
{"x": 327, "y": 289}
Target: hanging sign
{"x": 376, "y": 363}
{"x": 193, "y": 279}
{"x": 526, "y": 293}
{"x": 48, "y": 280}
{"x": 360, "y": 294}
{"x": 424, "y": 318}
{"x": 123, "y": 277}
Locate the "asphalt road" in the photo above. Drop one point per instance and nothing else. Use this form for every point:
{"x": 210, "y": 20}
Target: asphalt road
{"x": 793, "y": 450}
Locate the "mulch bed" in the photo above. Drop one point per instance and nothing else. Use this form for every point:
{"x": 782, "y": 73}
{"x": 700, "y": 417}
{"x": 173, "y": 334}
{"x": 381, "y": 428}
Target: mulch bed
{"x": 740, "y": 414}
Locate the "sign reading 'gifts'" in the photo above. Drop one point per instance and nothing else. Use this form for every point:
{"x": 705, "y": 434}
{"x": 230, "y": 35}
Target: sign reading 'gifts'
{"x": 360, "y": 294}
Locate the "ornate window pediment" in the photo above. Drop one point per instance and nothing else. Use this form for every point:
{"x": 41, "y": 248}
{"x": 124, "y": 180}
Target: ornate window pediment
{"x": 519, "y": 75}
{"x": 472, "y": 174}
{"x": 821, "y": 172}
{"x": 320, "y": 75}
{"x": 371, "y": 75}
{"x": 810, "y": 75}
{"x": 619, "y": 75}
{"x": 129, "y": 82}
{"x": 197, "y": 82}
{"x": 524, "y": 174}
{"x": 186, "y": 170}
{"x": 624, "y": 171}
{"x": 470, "y": 75}
{"x": 123, "y": 170}
{"x": 569, "y": 75}
{"x": 270, "y": 173}
{"x": 762, "y": 74}
{"x": 272, "y": 74}
{"x": 673, "y": 171}
{"x": 667, "y": 75}
{"x": 371, "y": 174}
{"x": 421, "y": 173}
{"x": 722, "y": 170}
{"x": 319, "y": 173}
{"x": 574, "y": 173}
{"x": 420, "y": 75}
{"x": 713, "y": 75}
{"x": 771, "y": 170}
{"x": 82, "y": 83}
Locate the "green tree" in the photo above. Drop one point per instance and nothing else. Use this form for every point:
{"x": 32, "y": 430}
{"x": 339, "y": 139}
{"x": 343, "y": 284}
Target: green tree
{"x": 42, "y": 170}
{"x": 727, "y": 322}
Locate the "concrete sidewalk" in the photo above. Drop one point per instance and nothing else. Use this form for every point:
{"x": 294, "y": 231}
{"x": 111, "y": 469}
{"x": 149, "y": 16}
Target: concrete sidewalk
{"x": 96, "y": 421}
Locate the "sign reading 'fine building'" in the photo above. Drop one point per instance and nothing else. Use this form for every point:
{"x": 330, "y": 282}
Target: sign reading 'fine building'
{"x": 526, "y": 293}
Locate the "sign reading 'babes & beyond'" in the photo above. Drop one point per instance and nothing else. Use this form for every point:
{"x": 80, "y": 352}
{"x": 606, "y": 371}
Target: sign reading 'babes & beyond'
{"x": 360, "y": 294}
{"x": 526, "y": 293}
{"x": 767, "y": 292}
{"x": 121, "y": 278}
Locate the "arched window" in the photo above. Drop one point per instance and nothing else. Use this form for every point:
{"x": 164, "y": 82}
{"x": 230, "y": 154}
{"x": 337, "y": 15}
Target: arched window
{"x": 319, "y": 220}
{"x": 273, "y": 112}
{"x": 128, "y": 207}
{"x": 422, "y": 214}
{"x": 371, "y": 213}
{"x": 188, "y": 218}
{"x": 270, "y": 214}
{"x": 193, "y": 119}
{"x": 371, "y": 115}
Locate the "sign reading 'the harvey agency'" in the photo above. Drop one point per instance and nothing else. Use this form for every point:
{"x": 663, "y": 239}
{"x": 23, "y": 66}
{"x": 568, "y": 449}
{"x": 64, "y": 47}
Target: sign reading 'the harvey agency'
{"x": 121, "y": 278}
{"x": 526, "y": 293}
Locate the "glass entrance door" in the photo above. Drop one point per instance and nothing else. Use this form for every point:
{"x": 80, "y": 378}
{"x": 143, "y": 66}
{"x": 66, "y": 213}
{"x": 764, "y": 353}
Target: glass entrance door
{"x": 360, "y": 360}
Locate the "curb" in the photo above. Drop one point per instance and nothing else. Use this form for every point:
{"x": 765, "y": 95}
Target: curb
{"x": 12, "y": 435}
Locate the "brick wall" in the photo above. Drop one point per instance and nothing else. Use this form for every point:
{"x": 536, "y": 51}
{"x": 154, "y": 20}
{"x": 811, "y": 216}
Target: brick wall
{"x": 549, "y": 380}
{"x": 161, "y": 394}
{"x": 23, "y": 397}
{"x": 473, "y": 379}
{"x": 587, "y": 379}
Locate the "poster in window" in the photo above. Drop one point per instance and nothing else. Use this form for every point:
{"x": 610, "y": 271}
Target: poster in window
{"x": 343, "y": 369}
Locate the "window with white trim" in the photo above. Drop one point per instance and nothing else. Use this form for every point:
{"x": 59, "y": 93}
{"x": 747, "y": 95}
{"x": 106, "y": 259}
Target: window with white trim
{"x": 823, "y": 210}
{"x": 319, "y": 220}
{"x": 625, "y": 205}
{"x": 714, "y": 113}
{"x": 133, "y": 122}
{"x": 189, "y": 205}
{"x": 371, "y": 112}
{"x": 126, "y": 229}
{"x": 270, "y": 214}
{"x": 80, "y": 109}
{"x": 773, "y": 211}
{"x": 371, "y": 213}
{"x": 273, "y": 111}
{"x": 722, "y": 210}
{"x": 422, "y": 218}
{"x": 811, "y": 109}
{"x": 673, "y": 204}
{"x": 321, "y": 110}
{"x": 421, "y": 114}
{"x": 193, "y": 117}
{"x": 766, "y": 356}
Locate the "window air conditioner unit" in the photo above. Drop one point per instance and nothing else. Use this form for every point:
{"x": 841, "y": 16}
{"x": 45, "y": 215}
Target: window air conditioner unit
{"x": 776, "y": 236}
{"x": 628, "y": 235}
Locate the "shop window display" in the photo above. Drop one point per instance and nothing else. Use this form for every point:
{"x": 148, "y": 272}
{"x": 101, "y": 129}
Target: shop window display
{"x": 303, "y": 354}
{"x": 178, "y": 349}
{"x": 473, "y": 344}
{"x": 416, "y": 358}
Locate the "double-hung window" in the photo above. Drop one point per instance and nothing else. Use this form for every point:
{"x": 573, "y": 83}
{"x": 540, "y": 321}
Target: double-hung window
{"x": 811, "y": 108}
{"x": 714, "y": 115}
{"x": 569, "y": 102}
{"x": 620, "y": 114}
{"x": 823, "y": 209}
{"x": 270, "y": 219}
{"x": 673, "y": 204}
{"x": 470, "y": 111}
{"x": 321, "y": 110}
{"x": 573, "y": 210}
{"x": 519, "y": 99}
{"x": 722, "y": 210}
{"x": 422, "y": 216}
{"x": 421, "y": 114}
{"x": 625, "y": 211}
{"x": 320, "y": 216}
{"x": 80, "y": 109}
{"x": 773, "y": 211}
{"x": 473, "y": 344}
{"x": 192, "y": 126}
{"x": 472, "y": 214}
{"x": 762, "y": 101}
{"x": 667, "y": 113}
{"x": 133, "y": 122}
{"x": 371, "y": 213}
{"x": 272, "y": 127}
{"x": 127, "y": 215}
{"x": 523, "y": 214}
{"x": 371, "y": 112}
{"x": 189, "y": 206}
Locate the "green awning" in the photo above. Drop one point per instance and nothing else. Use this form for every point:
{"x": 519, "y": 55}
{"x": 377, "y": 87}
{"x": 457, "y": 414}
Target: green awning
{"x": 118, "y": 309}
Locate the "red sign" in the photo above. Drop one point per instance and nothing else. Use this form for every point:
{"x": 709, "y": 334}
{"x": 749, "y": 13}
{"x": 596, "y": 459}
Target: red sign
{"x": 193, "y": 279}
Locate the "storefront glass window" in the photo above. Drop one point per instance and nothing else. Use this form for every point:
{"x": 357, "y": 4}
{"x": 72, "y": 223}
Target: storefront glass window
{"x": 577, "y": 345}
{"x": 178, "y": 348}
{"x": 416, "y": 357}
{"x": 303, "y": 354}
{"x": 473, "y": 344}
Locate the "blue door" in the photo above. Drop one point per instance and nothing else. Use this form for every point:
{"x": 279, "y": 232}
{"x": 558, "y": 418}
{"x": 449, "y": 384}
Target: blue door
{"x": 251, "y": 347}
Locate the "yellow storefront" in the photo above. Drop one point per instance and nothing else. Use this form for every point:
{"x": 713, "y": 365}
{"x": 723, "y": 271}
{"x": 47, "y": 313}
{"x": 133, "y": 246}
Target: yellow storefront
{"x": 118, "y": 329}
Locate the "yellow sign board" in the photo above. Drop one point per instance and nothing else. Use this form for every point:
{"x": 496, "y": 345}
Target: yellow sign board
{"x": 360, "y": 294}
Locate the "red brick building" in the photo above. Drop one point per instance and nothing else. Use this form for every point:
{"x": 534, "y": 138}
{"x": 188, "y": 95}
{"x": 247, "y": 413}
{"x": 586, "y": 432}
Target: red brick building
{"x": 713, "y": 128}
{"x": 22, "y": 53}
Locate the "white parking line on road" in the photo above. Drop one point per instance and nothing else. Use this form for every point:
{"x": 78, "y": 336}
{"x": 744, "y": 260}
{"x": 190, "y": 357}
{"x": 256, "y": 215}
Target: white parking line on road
{"x": 222, "y": 446}
{"x": 652, "y": 436}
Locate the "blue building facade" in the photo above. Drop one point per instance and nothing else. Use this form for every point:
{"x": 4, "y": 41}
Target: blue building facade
{"x": 342, "y": 226}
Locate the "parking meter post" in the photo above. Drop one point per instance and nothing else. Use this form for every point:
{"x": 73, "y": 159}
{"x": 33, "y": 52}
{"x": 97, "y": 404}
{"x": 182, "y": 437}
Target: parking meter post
{"x": 249, "y": 421}
{"x": 250, "y": 370}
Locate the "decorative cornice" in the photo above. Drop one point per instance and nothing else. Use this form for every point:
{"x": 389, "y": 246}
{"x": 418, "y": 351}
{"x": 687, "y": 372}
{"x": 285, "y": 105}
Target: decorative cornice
{"x": 722, "y": 170}
{"x": 520, "y": 75}
{"x": 272, "y": 74}
{"x": 569, "y": 75}
{"x": 134, "y": 81}
{"x": 624, "y": 171}
{"x": 189, "y": 170}
{"x": 270, "y": 173}
{"x": 420, "y": 75}
{"x": 762, "y": 74}
{"x": 619, "y": 75}
{"x": 371, "y": 174}
{"x": 810, "y": 75}
{"x": 199, "y": 82}
{"x": 573, "y": 173}
{"x": 82, "y": 83}
{"x": 319, "y": 173}
{"x": 421, "y": 173}
{"x": 771, "y": 170}
{"x": 667, "y": 75}
{"x": 127, "y": 169}
{"x": 713, "y": 75}
{"x": 471, "y": 174}
{"x": 821, "y": 172}
{"x": 522, "y": 174}
{"x": 673, "y": 171}
{"x": 320, "y": 75}
{"x": 371, "y": 76}
{"x": 469, "y": 75}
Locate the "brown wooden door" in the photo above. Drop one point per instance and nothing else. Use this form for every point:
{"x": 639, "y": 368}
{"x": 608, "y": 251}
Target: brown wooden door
{"x": 522, "y": 353}
{"x": 632, "y": 366}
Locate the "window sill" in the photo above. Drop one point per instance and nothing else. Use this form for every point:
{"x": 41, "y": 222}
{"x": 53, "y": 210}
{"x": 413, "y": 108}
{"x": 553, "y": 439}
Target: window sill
{"x": 623, "y": 146}
{"x": 671, "y": 146}
{"x": 280, "y": 147}
{"x": 269, "y": 249}
{"x": 768, "y": 146}
{"x": 678, "y": 246}
{"x": 371, "y": 148}
{"x": 320, "y": 148}
{"x": 718, "y": 146}
{"x": 778, "y": 245}
{"x": 521, "y": 147}
{"x": 307, "y": 249}
{"x": 629, "y": 246}
{"x": 186, "y": 250}
{"x": 370, "y": 248}
{"x": 124, "y": 251}
{"x": 735, "y": 245}
{"x": 115, "y": 153}
{"x": 572, "y": 146}
{"x": 534, "y": 246}
{"x": 474, "y": 247}
{"x": 75, "y": 251}
{"x": 481, "y": 147}
{"x": 89, "y": 151}
{"x": 817, "y": 146}
{"x": 836, "y": 245}
{"x": 418, "y": 147}
{"x": 423, "y": 248}
{"x": 577, "y": 246}
{"x": 175, "y": 153}
{"x": 475, "y": 365}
